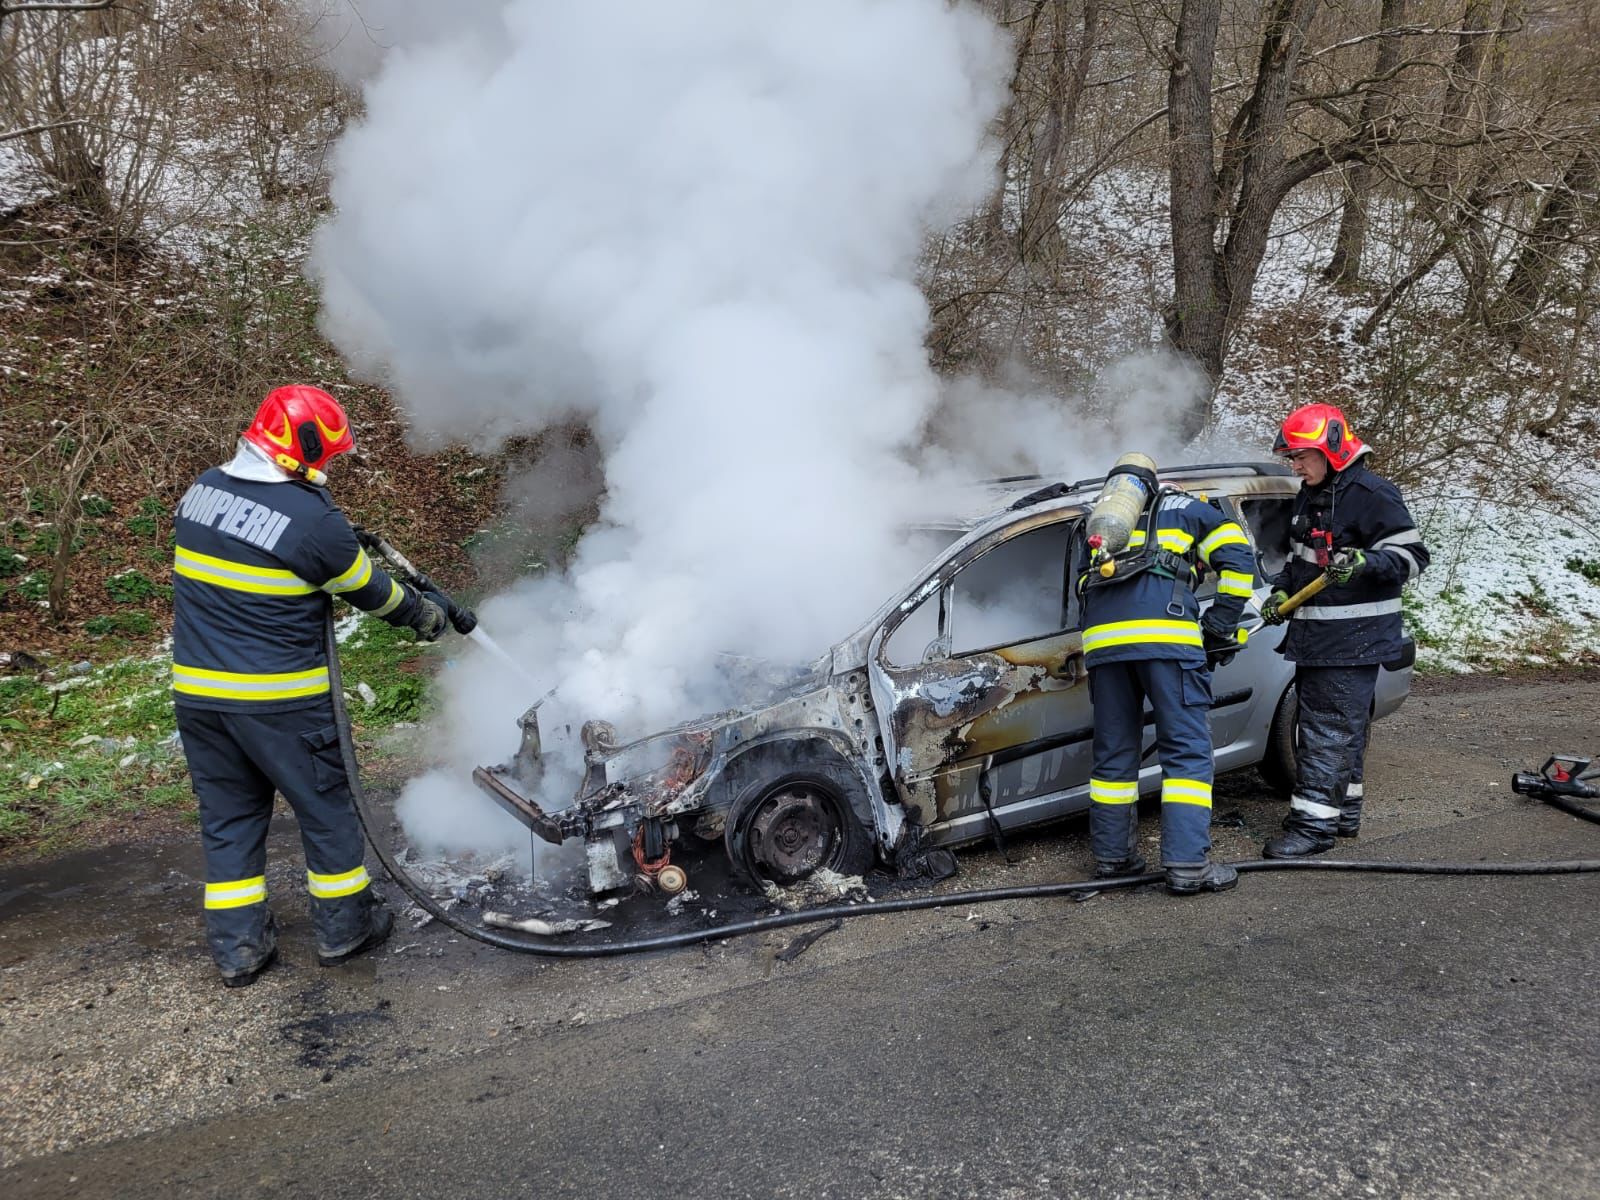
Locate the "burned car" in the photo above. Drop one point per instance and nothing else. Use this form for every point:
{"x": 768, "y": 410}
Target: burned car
{"x": 960, "y": 710}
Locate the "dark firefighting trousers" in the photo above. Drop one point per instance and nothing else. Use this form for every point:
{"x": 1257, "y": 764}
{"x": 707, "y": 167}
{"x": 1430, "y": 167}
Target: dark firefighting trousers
{"x": 1180, "y": 699}
{"x": 236, "y": 762}
{"x": 1335, "y": 719}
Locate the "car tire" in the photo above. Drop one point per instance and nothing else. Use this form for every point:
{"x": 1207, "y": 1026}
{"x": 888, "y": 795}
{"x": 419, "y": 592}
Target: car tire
{"x": 783, "y": 827}
{"x": 1278, "y": 766}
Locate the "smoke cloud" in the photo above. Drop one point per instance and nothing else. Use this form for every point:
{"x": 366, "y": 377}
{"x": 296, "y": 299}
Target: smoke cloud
{"x": 693, "y": 228}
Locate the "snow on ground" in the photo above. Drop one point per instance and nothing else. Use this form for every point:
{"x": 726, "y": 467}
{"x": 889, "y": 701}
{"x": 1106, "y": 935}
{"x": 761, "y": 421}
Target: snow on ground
{"x": 18, "y": 182}
{"x": 1511, "y": 584}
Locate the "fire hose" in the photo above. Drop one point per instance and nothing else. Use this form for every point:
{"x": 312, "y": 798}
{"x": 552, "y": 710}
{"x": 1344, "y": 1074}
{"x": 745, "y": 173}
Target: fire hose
{"x": 1561, "y": 792}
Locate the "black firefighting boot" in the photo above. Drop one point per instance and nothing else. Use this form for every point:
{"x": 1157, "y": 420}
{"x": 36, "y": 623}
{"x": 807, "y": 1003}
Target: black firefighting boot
{"x": 350, "y": 925}
{"x": 1303, "y": 837}
{"x": 1190, "y": 879}
{"x": 1349, "y": 822}
{"x": 1135, "y": 864}
{"x": 243, "y": 941}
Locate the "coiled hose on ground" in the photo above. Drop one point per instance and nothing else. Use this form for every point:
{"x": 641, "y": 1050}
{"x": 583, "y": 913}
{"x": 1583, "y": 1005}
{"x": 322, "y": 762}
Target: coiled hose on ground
{"x": 533, "y": 945}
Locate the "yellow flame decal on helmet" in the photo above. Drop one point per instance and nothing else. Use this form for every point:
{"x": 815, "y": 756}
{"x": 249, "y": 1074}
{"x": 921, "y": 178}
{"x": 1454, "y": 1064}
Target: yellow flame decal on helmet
{"x": 1310, "y": 434}
{"x": 284, "y": 439}
{"x": 331, "y": 436}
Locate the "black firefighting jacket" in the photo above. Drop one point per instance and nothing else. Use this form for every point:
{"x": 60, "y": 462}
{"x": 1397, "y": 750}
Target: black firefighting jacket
{"x": 254, "y": 573}
{"x": 1358, "y": 623}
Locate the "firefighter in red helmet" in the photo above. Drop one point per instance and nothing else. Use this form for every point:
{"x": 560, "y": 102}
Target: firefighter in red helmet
{"x": 1347, "y": 515}
{"x": 261, "y": 552}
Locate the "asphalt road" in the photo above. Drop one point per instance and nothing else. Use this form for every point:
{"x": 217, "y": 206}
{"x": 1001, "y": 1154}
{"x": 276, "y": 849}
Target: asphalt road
{"x": 1302, "y": 1035}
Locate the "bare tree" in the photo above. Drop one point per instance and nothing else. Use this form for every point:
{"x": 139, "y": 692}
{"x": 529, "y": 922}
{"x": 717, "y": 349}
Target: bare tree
{"x": 1344, "y": 271}
{"x": 1222, "y": 207}
{"x": 1065, "y": 80}
{"x": 90, "y": 106}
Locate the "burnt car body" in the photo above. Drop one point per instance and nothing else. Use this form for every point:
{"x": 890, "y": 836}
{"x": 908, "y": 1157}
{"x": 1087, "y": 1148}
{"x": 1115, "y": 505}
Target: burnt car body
{"x": 958, "y": 711}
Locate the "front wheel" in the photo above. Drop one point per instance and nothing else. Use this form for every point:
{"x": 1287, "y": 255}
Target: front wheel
{"x": 1279, "y": 765}
{"x": 782, "y": 829}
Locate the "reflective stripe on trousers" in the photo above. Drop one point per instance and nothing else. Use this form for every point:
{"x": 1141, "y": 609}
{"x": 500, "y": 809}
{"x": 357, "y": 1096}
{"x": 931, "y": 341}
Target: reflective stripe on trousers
{"x": 347, "y": 883}
{"x": 236, "y": 893}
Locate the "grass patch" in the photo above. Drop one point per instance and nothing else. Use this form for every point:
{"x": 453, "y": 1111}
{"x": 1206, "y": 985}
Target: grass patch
{"x": 87, "y": 747}
{"x": 131, "y": 586}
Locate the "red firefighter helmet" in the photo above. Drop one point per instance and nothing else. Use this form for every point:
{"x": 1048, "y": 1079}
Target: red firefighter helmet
{"x": 300, "y": 428}
{"x": 1320, "y": 427}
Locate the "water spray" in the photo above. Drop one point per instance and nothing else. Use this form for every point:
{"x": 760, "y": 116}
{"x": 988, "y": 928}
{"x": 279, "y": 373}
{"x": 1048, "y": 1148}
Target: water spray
{"x": 462, "y": 619}
{"x": 478, "y": 634}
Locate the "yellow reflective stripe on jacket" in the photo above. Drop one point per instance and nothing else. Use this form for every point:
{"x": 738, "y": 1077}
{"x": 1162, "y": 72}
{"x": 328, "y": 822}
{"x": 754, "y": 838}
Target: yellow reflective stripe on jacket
{"x": 1186, "y": 791}
{"x": 238, "y": 576}
{"x": 355, "y": 577}
{"x": 1176, "y": 540}
{"x": 1132, "y": 633}
{"x": 236, "y": 893}
{"x": 1228, "y": 534}
{"x": 1107, "y": 791}
{"x": 396, "y": 594}
{"x": 234, "y": 685}
{"x": 1235, "y": 583}
{"x": 326, "y": 887}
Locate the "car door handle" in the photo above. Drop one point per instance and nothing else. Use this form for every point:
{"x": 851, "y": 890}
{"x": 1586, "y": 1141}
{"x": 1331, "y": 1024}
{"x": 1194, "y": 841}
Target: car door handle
{"x": 1069, "y": 668}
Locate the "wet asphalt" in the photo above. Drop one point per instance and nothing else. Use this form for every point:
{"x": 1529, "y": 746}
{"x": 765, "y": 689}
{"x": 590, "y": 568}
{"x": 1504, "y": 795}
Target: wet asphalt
{"x": 1302, "y": 1035}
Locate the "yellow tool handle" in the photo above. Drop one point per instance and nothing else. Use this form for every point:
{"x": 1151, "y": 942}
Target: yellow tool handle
{"x": 1304, "y": 594}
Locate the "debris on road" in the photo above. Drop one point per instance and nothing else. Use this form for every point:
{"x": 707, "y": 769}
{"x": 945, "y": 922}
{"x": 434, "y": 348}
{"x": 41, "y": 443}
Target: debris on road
{"x": 808, "y": 939}
{"x": 822, "y": 886}
{"x": 543, "y": 928}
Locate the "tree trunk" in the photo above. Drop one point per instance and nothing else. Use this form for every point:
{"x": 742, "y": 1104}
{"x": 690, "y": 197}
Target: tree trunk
{"x": 1529, "y": 282}
{"x": 1344, "y": 271}
{"x": 1569, "y": 368}
{"x": 1212, "y": 288}
{"x": 1262, "y": 181}
{"x": 1041, "y": 224}
{"x": 1196, "y": 317}
{"x": 992, "y": 218}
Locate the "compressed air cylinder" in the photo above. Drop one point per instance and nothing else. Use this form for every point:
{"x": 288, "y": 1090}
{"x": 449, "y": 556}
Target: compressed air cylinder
{"x": 1116, "y": 513}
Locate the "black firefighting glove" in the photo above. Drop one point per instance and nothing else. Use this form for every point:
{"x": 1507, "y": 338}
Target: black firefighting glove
{"x": 429, "y": 619}
{"x": 1269, "y": 609}
{"x": 1219, "y": 644}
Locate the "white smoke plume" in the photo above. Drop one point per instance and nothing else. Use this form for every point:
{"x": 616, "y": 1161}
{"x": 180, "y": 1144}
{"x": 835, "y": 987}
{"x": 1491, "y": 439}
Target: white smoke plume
{"x": 693, "y": 227}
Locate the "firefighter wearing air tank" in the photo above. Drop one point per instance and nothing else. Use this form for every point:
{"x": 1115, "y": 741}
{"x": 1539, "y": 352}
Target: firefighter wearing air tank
{"x": 261, "y": 552}
{"x": 1145, "y": 638}
{"x": 1350, "y": 525}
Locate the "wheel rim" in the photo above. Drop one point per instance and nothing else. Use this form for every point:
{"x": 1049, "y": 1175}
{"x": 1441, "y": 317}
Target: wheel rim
{"x": 793, "y": 831}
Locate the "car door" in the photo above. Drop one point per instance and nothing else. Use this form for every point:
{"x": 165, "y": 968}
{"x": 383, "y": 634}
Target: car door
{"x": 981, "y": 693}
{"x": 1246, "y": 691}
{"x": 1234, "y": 684}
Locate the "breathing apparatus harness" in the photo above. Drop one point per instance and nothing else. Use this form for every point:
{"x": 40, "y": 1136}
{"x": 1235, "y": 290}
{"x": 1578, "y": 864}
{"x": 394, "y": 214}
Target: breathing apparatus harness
{"x": 1106, "y": 567}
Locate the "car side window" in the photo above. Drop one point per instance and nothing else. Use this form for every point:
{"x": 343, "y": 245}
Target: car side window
{"x": 1268, "y": 519}
{"x": 1014, "y": 593}
{"x": 907, "y": 646}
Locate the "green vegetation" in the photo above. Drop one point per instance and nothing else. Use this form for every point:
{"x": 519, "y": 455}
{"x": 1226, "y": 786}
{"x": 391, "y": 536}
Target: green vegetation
{"x": 1589, "y": 568}
{"x": 85, "y": 748}
{"x": 130, "y": 624}
{"x": 131, "y": 586}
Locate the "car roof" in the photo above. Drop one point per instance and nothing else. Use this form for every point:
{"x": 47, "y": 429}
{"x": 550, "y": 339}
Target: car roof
{"x": 972, "y": 506}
